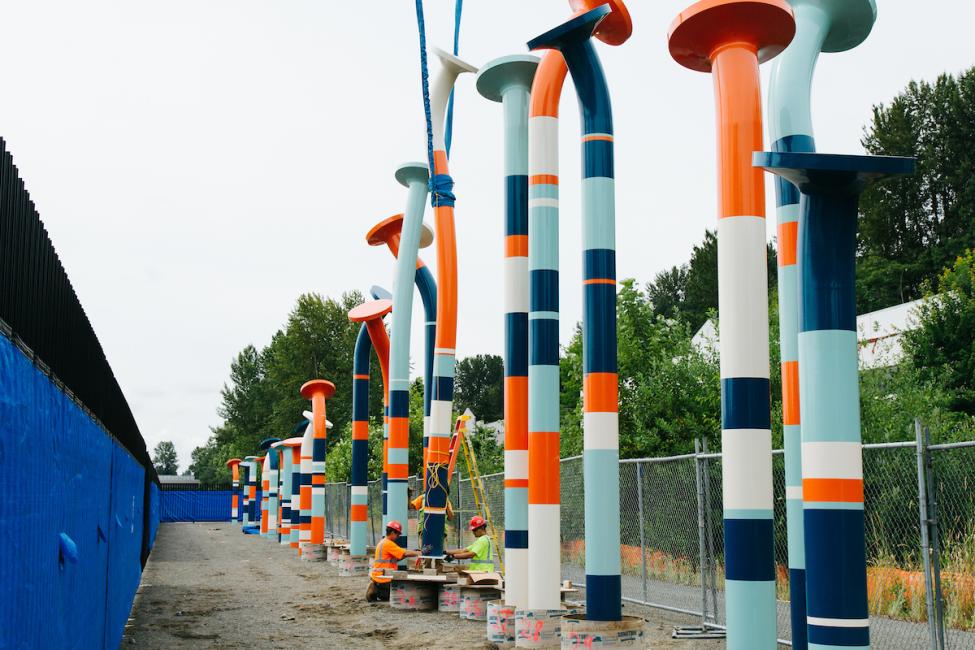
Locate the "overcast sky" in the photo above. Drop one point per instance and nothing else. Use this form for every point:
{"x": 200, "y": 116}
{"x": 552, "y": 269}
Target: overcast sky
{"x": 201, "y": 163}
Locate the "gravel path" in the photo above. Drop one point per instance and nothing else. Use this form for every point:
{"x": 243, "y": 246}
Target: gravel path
{"x": 209, "y": 586}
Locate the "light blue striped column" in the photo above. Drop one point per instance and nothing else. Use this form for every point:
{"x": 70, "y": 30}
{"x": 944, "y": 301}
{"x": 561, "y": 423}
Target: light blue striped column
{"x": 415, "y": 177}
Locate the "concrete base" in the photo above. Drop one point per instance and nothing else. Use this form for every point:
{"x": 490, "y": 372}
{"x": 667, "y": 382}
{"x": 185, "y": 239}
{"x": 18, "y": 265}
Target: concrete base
{"x": 474, "y": 602}
{"x": 540, "y": 628}
{"x": 448, "y": 599}
{"x": 352, "y": 567}
{"x": 313, "y": 553}
{"x": 577, "y": 632}
{"x": 501, "y": 624}
{"x": 415, "y": 596}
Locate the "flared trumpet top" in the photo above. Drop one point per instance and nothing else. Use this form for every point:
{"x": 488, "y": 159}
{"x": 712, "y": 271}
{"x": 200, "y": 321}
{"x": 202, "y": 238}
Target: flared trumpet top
{"x": 575, "y": 30}
{"x": 317, "y": 386}
{"x": 821, "y": 173}
{"x": 379, "y": 293}
{"x": 705, "y": 26}
{"x": 390, "y": 227}
{"x": 267, "y": 443}
{"x": 370, "y": 310}
{"x": 287, "y": 442}
{"x": 617, "y": 28}
{"x": 451, "y": 63}
{"x": 506, "y": 72}
{"x": 849, "y": 22}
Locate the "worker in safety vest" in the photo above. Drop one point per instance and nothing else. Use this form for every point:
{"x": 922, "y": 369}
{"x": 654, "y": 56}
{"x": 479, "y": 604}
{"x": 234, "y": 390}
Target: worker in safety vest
{"x": 481, "y": 551}
{"x": 388, "y": 553}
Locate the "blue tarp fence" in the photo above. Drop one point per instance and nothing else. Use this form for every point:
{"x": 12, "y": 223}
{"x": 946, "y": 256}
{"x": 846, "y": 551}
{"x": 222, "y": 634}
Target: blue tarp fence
{"x": 196, "y": 505}
{"x": 73, "y": 520}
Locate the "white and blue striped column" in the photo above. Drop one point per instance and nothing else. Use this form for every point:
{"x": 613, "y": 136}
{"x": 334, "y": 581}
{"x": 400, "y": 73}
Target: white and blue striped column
{"x": 508, "y": 80}
{"x": 600, "y": 390}
{"x": 270, "y": 482}
{"x": 360, "y": 444}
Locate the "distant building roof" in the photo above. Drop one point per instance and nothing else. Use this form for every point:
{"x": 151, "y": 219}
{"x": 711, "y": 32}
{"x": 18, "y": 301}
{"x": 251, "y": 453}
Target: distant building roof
{"x": 878, "y": 332}
{"x": 173, "y": 479}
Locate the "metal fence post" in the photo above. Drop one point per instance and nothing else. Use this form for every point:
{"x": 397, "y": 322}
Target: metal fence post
{"x": 934, "y": 539}
{"x": 922, "y": 506}
{"x": 643, "y": 539}
{"x": 709, "y": 537}
{"x": 702, "y": 560}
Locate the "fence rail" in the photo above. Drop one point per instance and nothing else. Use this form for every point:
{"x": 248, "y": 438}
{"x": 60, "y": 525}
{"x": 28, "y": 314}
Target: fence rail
{"x": 919, "y": 513}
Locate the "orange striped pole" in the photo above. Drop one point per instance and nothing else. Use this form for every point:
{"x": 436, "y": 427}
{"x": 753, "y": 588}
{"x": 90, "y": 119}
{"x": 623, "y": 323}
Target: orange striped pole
{"x": 235, "y": 510}
{"x": 318, "y": 391}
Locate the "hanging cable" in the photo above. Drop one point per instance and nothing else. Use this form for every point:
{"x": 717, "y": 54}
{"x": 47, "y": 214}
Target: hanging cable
{"x": 449, "y": 128}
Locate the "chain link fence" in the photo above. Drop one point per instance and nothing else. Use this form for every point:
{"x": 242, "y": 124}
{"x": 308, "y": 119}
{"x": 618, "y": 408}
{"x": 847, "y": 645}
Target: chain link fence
{"x": 919, "y": 504}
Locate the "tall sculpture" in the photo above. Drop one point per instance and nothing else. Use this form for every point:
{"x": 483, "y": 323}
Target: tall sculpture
{"x": 831, "y": 26}
{"x": 251, "y": 511}
{"x": 600, "y": 403}
{"x": 829, "y": 396}
{"x": 508, "y": 80}
{"x": 236, "y": 512}
{"x": 318, "y": 391}
{"x": 370, "y": 314}
{"x": 414, "y": 176}
{"x": 388, "y": 232}
{"x": 441, "y": 405}
{"x": 730, "y": 38}
{"x": 283, "y": 450}
{"x": 269, "y": 498}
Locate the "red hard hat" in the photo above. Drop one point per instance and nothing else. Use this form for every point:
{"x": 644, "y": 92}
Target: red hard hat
{"x": 477, "y": 521}
{"x": 395, "y": 525}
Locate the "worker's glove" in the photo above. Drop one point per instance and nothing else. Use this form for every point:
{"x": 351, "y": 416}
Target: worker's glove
{"x": 448, "y": 557}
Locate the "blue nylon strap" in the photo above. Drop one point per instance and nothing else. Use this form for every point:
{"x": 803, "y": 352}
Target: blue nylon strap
{"x": 441, "y": 190}
{"x": 449, "y": 129}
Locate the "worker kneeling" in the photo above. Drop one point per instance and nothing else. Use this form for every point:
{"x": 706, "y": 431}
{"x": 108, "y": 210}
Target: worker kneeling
{"x": 481, "y": 551}
{"x": 388, "y": 553}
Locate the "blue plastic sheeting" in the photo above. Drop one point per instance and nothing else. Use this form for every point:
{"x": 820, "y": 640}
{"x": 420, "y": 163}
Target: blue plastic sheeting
{"x": 61, "y": 474}
{"x": 195, "y": 505}
{"x": 153, "y": 513}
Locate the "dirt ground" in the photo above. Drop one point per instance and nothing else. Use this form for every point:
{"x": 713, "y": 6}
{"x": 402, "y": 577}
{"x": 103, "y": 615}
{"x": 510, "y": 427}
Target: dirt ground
{"x": 209, "y": 586}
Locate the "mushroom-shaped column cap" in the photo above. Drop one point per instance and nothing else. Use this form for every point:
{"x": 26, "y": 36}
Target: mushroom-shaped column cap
{"x": 391, "y": 227}
{"x": 850, "y": 21}
{"x": 379, "y": 293}
{"x": 251, "y": 459}
{"x": 575, "y": 30}
{"x": 832, "y": 173}
{"x": 317, "y": 386}
{"x": 451, "y": 62}
{"x": 233, "y": 461}
{"x": 412, "y": 172}
{"x": 289, "y": 442}
{"x": 371, "y": 310}
{"x": 705, "y": 26}
{"x": 617, "y": 27}
{"x": 267, "y": 443}
{"x": 502, "y": 73}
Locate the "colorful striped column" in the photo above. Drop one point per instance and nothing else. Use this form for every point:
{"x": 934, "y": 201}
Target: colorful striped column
{"x": 370, "y": 314}
{"x": 414, "y": 176}
{"x": 251, "y": 509}
{"x": 318, "y": 391}
{"x": 820, "y": 27}
{"x": 265, "y": 496}
{"x": 296, "y": 483}
{"x": 600, "y": 403}
{"x": 829, "y": 396}
{"x": 284, "y": 458}
{"x": 444, "y": 353}
{"x": 509, "y": 80}
{"x": 387, "y": 232}
{"x": 729, "y": 38}
{"x": 304, "y": 495}
{"x": 269, "y": 528}
{"x": 236, "y": 513}
{"x": 544, "y": 510}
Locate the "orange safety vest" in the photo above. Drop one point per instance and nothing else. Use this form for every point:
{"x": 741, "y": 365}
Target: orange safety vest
{"x": 382, "y": 561}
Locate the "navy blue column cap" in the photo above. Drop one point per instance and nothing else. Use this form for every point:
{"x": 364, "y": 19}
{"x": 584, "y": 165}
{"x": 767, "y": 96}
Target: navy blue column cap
{"x": 579, "y": 28}
{"x": 822, "y": 173}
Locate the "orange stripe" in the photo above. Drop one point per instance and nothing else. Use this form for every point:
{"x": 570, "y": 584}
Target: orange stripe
{"x": 317, "y": 479}
{"x": 360, "y": 430}
{"x": 741, "y": 187}
{"x": 398, "y": 471}
{"x": 358, "y": 512}
{"x": 600, "y": 392}
{"x": 516, "y": 246}
{"x": 543, "y": 179}
{"x": 788, "y": 236}
{"x": 543, "y": 467}
{"x": 592, "y": 138}
{"x": 845, "y": 490}
{"x": 516, "y": 482}
{"x": 790, "y": 392}
{"x": 599, "y": 281}
{"x": 515, "y": 413}
{"x": 317, "y": 530}
{"x": 366, "y": 377}
{"x": 399, "y": 433}
{"x": 547, "y": 87}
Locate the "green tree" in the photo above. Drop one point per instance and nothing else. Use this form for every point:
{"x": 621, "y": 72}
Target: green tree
{"x": 479, "y": 386}
{"x": 942, "y": 348}
{"x": 912, "y": 227}
{"x": 164, "y": 458}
